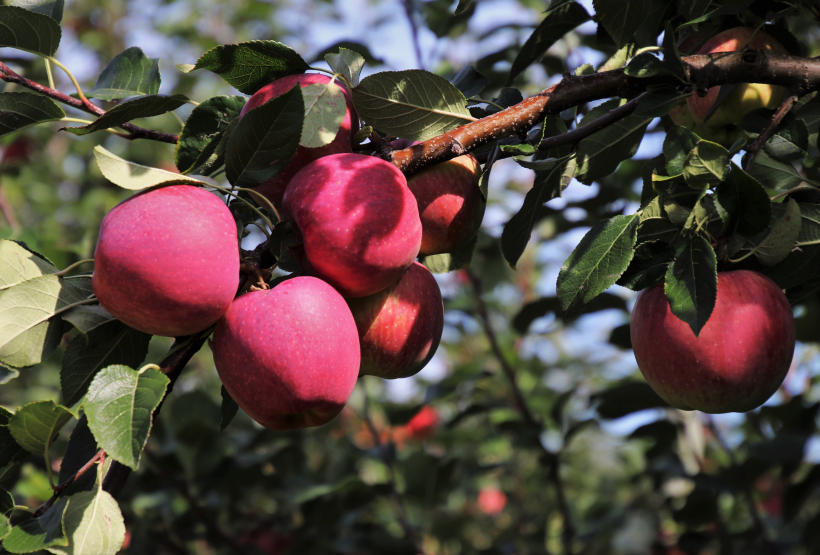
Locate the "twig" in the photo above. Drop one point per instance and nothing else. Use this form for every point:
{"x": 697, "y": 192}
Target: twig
{"x": 768, "y": 131}
{"x": 59, "y": 489}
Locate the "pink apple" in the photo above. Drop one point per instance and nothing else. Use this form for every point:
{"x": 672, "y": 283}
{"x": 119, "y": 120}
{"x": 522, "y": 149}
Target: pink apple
{"x": 274, "y": 188}
{"x": 167, "y": 260}
{"x": 400, "y": 327}
{"x": 289, "y": 356}
{"x": 358, "y": 220}
{"x": 740, "y": 357}
{"x": 722, "y": 126}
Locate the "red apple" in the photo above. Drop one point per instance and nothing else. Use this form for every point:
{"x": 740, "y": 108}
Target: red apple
{"x": 358, "y": 219}
{"x": 274, "y": 188}
{"x": 491, "y": 500}
{"x": 289, "y": 356}
{"x": 400, "y": 327}
{"x": 722, "y": 127}
{"x": 167, "y": 260}
{"x": 740, "y": 357}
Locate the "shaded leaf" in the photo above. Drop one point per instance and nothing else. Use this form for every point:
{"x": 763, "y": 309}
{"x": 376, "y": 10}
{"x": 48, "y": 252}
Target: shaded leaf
{"x": 28, "y": 30}
{"x": 141, "y": 107}
{"x": 19, "y": 264}
{"x": 782, "y": 237}
{"x": 347, "y": 62}
{"x": 626, "y": 398}
{"x": 543, "y": 306}
{"x": 774, "y": 174}
{"x": 81, "y": 448}
{"x": 677, "y": 145}
{"x": 325, "y": 108}
{"x": 19, "y": 110}
{"x": 135, "y": 177}
{"x": 706, "y": 165}
{"x": 34, "y": 425}
{"x": 459, "y": 259}
{"x": 130, "y": 73}
{"x": 745, "y": 202}
{"x": 93, "y": 524}
{"x": 39, "y": 533}
{"x": 7, "y": 374}
{"x": 691, "y": 283}
{"x": 88, "y": 317}
{"x": 621, "y": 18}
{"x": 470, "y": 81}
{"x": 229, "y": 409}
{"x": 51, "y": 8}
{"x": 204, "y": 127}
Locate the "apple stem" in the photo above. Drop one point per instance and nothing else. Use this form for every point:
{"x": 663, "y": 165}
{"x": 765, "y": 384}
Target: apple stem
{"x": 61, "y": 273}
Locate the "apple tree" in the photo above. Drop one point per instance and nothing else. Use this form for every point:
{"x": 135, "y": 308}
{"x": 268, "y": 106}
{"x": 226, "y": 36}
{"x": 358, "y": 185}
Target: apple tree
{"x": 611, "y": 147}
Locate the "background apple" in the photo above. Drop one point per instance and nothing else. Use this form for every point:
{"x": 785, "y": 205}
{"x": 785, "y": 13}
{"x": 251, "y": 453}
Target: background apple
{"x": 359, "y": 221}
{"x": 400, "y": 327}
{"x": 289, "y": 356}
{"x": 167, "y": 260}
{"x": 740, "y": 357}
{"x": 274, "y": 188}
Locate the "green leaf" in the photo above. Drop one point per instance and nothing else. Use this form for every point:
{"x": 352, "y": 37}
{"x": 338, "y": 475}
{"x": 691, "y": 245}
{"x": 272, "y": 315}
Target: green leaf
{"x": 51, "y": 8}
{"x": 470, "y": 81}
{"x": 39, "y": 533}
{"x": 141, "y": 107}
{"x": 782, "y": 236}
{"x": 597, "y": 262}
{"x": 204, "y": 126}
{"x": 120, "y": 405}
{"x": 265, "y": 140}
{"x": 30, "y": 31}
{"x": 774, "y": 174}
{"x": 5, "y": 526}
{"x": 810, "y": 228}
{"x": 10, "y": 450}
{"x": 536, "y": 309}
{"x": 34, "y": 426}
{"x": 19, "y": 264}
{"x": 28, "y": 331}
{"x": 619, "y": 59}
{"x": 677, "y": 145}
{"x": 648, "y": 267}
{"x": 459, "y": 259}
{"x": 7, "y": 374}
{"x": 249, "y": 66}
{"x": 691, "y": 283}
{"x": 413, "y": 104}
{"x": 325, "y": 108}
{"x": 228, "y": 410}
{"x": 706, "y": 165}
{"x": 547, "y": 186}
{"x": 347, "y": 62}
{"x": 111, "y": 344}
{"x": 6, "y": 503}
{"x": 659, "y": 102}
{"x": 130, "y": 73}
{"x": 93, "y": 524}
{"x": 135, "y": 177}
{"x": 621, "y": 18}
{"x": 19, "y": 110}
{"x": 81, "y": 448}
{"x": 462, "y": 6}
{"x": 745, "y": 202}
{"x": 790, "y": 143}
{"x": 88, "y": 317}
{"x": 645, "y": 65}
{"x": 561, "y": 18}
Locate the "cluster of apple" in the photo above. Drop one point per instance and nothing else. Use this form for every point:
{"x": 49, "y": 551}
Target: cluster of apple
{"x": 168, "y": 263}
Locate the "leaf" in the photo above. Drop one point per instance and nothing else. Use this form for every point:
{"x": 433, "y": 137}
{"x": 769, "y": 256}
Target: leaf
{"x": 229, "y": 409}
{"x": 347, "y": 62}
{"x": 645, "y": 65}
{"x": 745, "y": 202}
{"x": 135, "y": 177}
{"x": 459, "y": 259}
{"x": 130, "y": 73}
{"x": 249, "y": 66}
{"x": 543, "y": 306}
{"x": 462, "y": 6}
{"x": 413, "y": 104}
{"x": 10, "y": 450}
{"x": 30, "y": 31}
{"x": 81, "y": 448}
{"x": 6, "y": 503}
{"x": 51, "y": 8}
{"x": 88, "y": 317}
{"x": 677, "y": 145}
{"x": 111, "y": 344}
{"x": 626, "y": 398}
{"x": 93, "y": 524}
{"x": 39, "y": 533}
{"x": 691, "y": 283}
{"x": 325, "y": 108}
{"x": 28, "y": 331}
{"x": 204, "y": 126}
{"x": 810, "y": 228}
{"x": 782, "y": 237}
{"x": 547, "y": 186}
{"x": 119, "y": 405}
{"x": 561, "y": 18}
{"x": 19, "y": 110}
{"x": 142, "y": 107}
{"x": 774, "y": 174}
{"x": 34, "y": 425}
{"x": 621, "y": 18}
{"x": 7, "y": 374}
{"x": 706, "y": 165}
{"x": 619, "y": 59}
{"x": 659, "y": 102}
{"x": 470, "y": 81}
{"x": 597, "y": 262}
{"x": 19, "y": 264}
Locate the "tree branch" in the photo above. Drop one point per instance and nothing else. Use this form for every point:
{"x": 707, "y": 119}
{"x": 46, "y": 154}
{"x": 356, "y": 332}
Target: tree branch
{"x": 59, "y": 489}
{"x": 768, "y": 131}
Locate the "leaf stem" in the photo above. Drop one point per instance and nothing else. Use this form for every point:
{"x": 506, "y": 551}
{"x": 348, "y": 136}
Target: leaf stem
{"x": 265, "y": 200}
{"x": 61, "y": 273}
{"x": 80, "y": 94}
{"x": 48, "y": 72}
{"x": 252, "y": 207}
{"x": 58, "y": 490}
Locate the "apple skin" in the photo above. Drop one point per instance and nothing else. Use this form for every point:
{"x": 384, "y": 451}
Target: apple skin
{"x": 740, "y": 357}
{"x": 167, "y": 261}
{"x": 358, "y": 219}
{"x": 274, "y": 188}
{"x": 400, "y": 327}
{"x": 722, "y": 127}
{"x": 289, "y": 356}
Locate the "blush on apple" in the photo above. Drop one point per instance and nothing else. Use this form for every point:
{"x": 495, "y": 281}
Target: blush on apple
{"x": 289, "y": 356}
{"x": 400, "y": 327}
{"x": 274, "y": 188}
{"x": 167, "y": 261}
{"x": 358, "y": 220}
{"x": 740, "y": 357}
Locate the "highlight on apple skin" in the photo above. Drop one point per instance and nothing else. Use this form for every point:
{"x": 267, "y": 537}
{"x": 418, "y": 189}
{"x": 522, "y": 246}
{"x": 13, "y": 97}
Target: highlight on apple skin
{"x": 274, "y": 188}
{"x": 167, "y": 261}
{"x": 358, "y": 220}
{"x": 738, "y": 360}
{"x": 289, "y": 356}
{"x": 400, "y": 327}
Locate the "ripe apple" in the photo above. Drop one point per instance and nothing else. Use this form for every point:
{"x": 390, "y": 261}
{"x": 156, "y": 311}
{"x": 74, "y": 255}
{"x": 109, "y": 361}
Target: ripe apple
{"x": 740, "y": 357}
{"x": 491, "y": 500}
{"x": 358, "y": 219}
{"x": 722, "y": 126}
{"x": 274, "y": 188}
{"x": 167, "y": 260}
{"x": 400, "y": 327}
{"x": 289, "y": 356}
{"x": 451, "y": 205}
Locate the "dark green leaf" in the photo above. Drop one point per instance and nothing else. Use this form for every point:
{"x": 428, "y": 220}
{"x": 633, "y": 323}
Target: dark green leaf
{"x": 130, "y": 73}
{"x": 659, "y": 102}
{"x": 204, "y": 127}
{"x": 51, "y": 8}
{"x": 626, "y": 398}
{"x": 677, "y": 145}
{"x": 34, "y": 425}
{"x": 39, "y": 533}
{"x": 648, "y": 267}
{"x": 229, "y": 409}
{"x": 6, "y": 503}
{"x": 782, "y": 236}
{"x": 141, "y": 107}
{"x": 19, "y": 110}
{"x": 746, "y": 203}
{"x": 88, "y": 317}
{"x": 27, "y": 30}
{"x": 691, "y": 283}
{"x": 621, "y": 18}
{"x": 774, "y": 174}
{"x": 706, "y": 165}
{"x": 10, "y": 450}
{"x": 470, "y": 81}
{"x": 81, "y": 448}
{"x": 543, "y": 306}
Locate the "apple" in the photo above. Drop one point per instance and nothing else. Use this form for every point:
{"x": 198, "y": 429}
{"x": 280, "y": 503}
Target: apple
{"x": 740, "y": 357}
{"x": 491, "y": 500}
{"x": 400, "y": 327}
{"x": 451, "y": 205}
{"x": 274, "y": 188}
{"x": 167, "y": 261}
{"x": 358, "y": 220}
{"x": 722, "y": 126}
{"x": 289, "y": 356}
